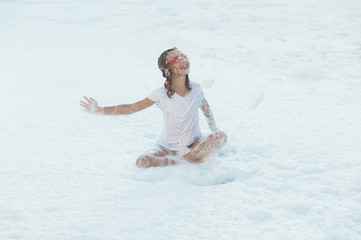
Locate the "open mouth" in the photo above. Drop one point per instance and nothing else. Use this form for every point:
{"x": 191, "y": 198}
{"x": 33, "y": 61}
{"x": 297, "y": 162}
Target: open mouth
{"x": 184, "y": 66}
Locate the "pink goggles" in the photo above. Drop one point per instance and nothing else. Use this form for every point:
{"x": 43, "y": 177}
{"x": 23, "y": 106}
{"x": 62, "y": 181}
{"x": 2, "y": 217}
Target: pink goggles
{"x": 176, "y": 59}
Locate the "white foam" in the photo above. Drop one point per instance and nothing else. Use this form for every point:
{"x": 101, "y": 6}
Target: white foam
{"x": 293, "y": 172}
{"x": 307, "y": 70}
{"x": 208, "y": 83}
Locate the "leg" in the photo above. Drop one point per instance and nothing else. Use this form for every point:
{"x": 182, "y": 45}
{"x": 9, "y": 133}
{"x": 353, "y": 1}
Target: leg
{"x": 206, "y": 147}
{"x": 155, "y": 159}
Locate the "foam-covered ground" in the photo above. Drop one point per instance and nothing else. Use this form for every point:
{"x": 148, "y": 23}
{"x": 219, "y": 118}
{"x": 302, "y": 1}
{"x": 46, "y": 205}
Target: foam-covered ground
{"x": 291, "y": 169}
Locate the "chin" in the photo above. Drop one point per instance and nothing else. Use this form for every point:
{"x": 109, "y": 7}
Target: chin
{"x": 183, "y": 71}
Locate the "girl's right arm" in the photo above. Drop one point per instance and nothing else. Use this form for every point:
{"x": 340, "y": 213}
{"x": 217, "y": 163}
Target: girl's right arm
{"x": 92, "y": 106}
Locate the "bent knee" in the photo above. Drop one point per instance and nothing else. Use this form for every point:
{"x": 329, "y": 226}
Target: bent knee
{"x": 220, "y": 137}
{"x": 143, "y": 161}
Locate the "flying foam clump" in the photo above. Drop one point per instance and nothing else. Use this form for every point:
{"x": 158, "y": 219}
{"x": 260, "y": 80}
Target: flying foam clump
{"x": 208, "y": 83}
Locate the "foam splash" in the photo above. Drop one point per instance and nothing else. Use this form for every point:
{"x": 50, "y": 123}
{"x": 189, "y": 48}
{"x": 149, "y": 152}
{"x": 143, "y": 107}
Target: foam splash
{"x": 208, "y": 83}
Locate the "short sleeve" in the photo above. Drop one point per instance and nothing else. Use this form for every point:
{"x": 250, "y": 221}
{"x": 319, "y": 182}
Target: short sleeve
{"x": 156, "y": 95}
{"x": 199, "y": 92}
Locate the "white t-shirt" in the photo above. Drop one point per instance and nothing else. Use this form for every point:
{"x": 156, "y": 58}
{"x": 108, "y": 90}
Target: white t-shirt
{"x": 180, "y": 117}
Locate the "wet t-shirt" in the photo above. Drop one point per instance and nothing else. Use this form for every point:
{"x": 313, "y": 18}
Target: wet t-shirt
{"x": 180, "y": 116}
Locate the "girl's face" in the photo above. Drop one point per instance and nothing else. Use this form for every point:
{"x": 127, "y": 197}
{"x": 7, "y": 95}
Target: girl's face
{"x": 179, "y": 62}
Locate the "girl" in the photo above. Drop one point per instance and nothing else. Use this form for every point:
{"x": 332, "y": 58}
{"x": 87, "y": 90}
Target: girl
{"x": 179, "y": 100}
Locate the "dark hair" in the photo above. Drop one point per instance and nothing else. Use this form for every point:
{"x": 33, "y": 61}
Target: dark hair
{"x": 163, "y": 65}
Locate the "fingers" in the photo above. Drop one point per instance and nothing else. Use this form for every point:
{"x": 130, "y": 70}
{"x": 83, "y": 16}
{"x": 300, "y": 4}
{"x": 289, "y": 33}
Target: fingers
{"x": 83, "y": 104}
{"x": 94, "y": 101}
{"x": 86, "y": 105}
{"x": 89, "y": 105}
{"x": 87, "y": 99}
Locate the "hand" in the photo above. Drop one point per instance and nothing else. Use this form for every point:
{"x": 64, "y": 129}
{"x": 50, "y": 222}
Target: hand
{"x": 91, "y": 106}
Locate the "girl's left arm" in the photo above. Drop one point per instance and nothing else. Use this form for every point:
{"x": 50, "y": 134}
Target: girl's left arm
{"x": 209, "y": 115}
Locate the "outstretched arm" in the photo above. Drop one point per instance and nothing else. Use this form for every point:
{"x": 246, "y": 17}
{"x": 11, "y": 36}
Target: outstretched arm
{"x": 92, "y": 106}
{"x": 209, "y": 115}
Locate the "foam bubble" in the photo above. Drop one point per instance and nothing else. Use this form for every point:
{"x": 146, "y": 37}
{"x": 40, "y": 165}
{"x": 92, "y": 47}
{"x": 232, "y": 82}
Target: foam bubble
{"x": 208, "y": 83}
{"x": 307, "y": 70}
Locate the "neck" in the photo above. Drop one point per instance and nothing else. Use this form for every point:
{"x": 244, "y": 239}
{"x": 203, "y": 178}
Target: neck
{"x": 178, "y": 82}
